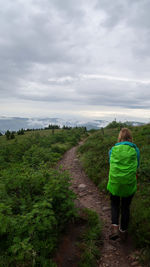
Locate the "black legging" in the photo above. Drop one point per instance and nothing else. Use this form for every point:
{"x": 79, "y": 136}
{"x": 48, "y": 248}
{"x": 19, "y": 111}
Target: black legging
{"x": 125, "y": 210}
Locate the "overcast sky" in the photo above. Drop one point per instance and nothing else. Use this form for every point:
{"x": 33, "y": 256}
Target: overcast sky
{"x": 75, "y": 58}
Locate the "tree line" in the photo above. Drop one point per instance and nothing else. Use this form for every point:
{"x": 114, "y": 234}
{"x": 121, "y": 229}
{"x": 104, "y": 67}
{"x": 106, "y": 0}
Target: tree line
{"x": 11, "y": 134}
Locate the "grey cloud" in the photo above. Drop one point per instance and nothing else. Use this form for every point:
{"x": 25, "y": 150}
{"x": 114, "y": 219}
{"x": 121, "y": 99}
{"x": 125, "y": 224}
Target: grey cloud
{"x": 92, "y": 100}
{"x": 133, "y": 13}
{"x": 115, "y": 93}
{"x": 43, "y": 42}
{"x": 29, "y": 37}
{"x": 100, "y": 92}
{"x": 73, "y": 9}
{"x": 115, "y": 11}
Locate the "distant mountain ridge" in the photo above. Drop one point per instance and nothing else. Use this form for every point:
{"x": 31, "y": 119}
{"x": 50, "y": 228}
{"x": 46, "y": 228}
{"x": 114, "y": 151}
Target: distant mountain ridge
{"x": 16, "y": 123}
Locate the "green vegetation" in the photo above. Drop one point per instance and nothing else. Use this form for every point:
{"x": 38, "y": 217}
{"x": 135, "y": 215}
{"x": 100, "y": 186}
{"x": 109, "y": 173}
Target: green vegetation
{"x": 90, "y": 240}
{"x": 35, "y": 199}
{"x": 9, "y": 135}
{"x": 21, "y": 132}
{"x": 95, "y": 160}
{"x": 114, "y": 124}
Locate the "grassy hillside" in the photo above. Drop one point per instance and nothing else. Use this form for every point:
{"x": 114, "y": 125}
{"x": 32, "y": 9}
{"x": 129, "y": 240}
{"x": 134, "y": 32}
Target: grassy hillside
{"x": 34, "y": 196}
{"x": 94, "y": 156}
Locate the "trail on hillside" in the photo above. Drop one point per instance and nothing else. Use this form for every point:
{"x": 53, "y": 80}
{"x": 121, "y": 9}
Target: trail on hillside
{"x": 113, "y": 253}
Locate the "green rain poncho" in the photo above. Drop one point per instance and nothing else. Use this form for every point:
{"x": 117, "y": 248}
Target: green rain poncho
{"x": 124, "y": 161}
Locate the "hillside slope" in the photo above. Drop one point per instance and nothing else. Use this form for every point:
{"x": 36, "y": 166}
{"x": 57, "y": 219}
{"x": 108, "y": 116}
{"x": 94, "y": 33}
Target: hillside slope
{"x": 34, "y": 196}
{"x": 94, "y": 157}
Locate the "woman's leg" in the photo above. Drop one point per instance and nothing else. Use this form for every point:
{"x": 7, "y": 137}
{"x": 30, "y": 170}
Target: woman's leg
{"x": 125, "y": 212}
{"x": 115, "y": 209}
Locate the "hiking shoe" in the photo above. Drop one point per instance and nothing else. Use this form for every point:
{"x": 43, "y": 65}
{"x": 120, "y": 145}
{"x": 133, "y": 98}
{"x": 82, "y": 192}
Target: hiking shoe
{"x": 123, "y": 235}
{"x": 114, "y": 232}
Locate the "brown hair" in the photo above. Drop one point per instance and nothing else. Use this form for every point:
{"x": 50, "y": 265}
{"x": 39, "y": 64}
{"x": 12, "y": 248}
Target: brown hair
{"x": 125, "y": 135}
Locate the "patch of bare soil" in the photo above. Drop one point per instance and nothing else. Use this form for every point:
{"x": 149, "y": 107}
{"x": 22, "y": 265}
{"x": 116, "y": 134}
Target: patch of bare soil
{"x": 69, "y": 252}
{"x": 114, "y": 253}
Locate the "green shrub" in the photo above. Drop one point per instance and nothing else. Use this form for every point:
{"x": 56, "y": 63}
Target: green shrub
{"x": 140, "y": 217}
{"x": 91, "y": 240}
{"x": 36, "y": 200}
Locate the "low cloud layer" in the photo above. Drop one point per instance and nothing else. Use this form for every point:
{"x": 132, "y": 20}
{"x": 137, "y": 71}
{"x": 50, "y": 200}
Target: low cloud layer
{"x": 75, "y": 57}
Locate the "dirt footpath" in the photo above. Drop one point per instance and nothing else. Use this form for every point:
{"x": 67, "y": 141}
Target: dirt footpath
{"x": 114, "y": 253}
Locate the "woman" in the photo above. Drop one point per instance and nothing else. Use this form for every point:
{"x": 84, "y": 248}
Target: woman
{"x": 122, "y": 184}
